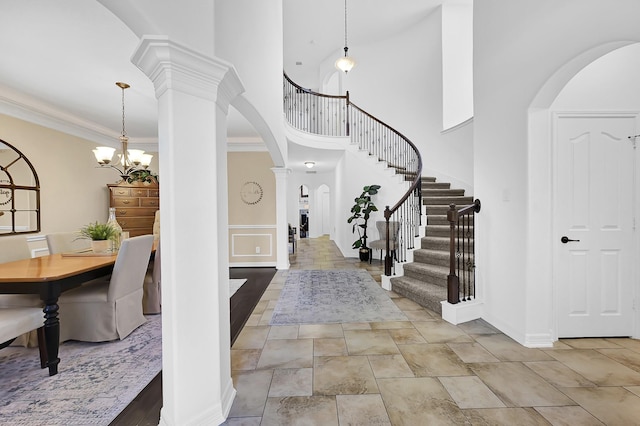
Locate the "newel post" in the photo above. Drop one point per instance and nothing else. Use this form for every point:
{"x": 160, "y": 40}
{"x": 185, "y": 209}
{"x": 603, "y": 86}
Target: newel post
{"x": 388, "y": 260}
{"x": 453, "y": 284}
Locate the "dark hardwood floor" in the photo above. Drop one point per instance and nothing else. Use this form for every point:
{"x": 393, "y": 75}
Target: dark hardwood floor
{"x": 144, "y": 410}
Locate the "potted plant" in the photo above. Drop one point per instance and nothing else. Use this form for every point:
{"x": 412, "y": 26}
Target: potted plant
{"x": 100, "y": 235}
{"x": 361, "y": 211}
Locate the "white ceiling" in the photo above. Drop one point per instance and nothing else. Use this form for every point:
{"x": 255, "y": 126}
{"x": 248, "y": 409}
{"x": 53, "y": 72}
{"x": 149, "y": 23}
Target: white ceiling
{"x": 63, "y": 57}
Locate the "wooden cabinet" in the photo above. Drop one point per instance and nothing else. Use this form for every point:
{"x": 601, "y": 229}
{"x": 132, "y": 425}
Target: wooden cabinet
{"x": 136, "y": 205}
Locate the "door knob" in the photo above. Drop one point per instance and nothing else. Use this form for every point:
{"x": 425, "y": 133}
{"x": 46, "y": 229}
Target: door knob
{"x": 565, "y": 240}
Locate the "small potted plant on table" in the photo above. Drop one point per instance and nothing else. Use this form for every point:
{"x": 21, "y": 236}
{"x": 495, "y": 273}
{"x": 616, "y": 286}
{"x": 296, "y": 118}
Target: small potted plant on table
{"x": 361, "y": 211}
{"x": 100, "y": 235}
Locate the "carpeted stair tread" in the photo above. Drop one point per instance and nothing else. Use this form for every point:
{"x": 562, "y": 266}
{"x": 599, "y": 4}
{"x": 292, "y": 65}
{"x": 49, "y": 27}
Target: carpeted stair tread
{"x": 441, "y": 230}
{"x": 435, "y": 243}
{"x": 433, "y": 274}
{"x": 432, "y": 257}
{"x": 435, "y": 185}
{"x": 438, "y": 210}
{"x": 424, "y": 294}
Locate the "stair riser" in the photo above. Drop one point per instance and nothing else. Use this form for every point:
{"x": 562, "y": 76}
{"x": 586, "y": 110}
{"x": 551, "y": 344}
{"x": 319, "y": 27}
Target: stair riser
{"x": 441, "y": 259}
{"x": 437, "y": 201}
{"x": 435, "y": 185}
{"x": 441, "y": 220}
{"x": 441, "y": 231}
{"x": 431, "y": 244}
{"x": 431, "y": 277}
{"x": 443, "y": 192}
{"x": 423, "y": 298}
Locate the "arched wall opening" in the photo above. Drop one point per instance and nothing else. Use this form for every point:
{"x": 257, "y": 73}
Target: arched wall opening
{"x": 542, "y": 247}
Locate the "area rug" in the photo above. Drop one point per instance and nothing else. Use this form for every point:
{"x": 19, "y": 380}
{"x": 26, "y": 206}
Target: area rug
{"x": 96, "y": 381}
{"x": 235, "y": 284}
{"x": 333, "y": 296}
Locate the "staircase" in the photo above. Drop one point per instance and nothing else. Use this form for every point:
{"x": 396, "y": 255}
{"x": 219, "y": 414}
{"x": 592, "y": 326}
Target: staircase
{"x": 425, "y": 279}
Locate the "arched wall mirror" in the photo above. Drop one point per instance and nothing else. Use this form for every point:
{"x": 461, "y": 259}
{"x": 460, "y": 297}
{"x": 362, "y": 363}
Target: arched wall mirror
{"x": 19, "y": 193}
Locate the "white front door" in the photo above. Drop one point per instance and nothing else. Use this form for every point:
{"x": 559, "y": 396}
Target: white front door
{"x": 594, "y": 205}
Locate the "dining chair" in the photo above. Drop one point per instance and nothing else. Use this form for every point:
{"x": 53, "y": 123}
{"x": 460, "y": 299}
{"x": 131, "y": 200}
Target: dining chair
{"x": 152, "y": 293}
{"x": 64, "y": 242}
{"x": 15, "y": 322}
{"x": 108, "y": 309}
{"x": 381, "y": 244}
{"x": 12, "y": 249}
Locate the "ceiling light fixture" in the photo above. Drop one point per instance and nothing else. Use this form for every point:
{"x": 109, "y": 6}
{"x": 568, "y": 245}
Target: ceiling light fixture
{"x": 309, "y": 164}
{"x": 345, "y": 63}
{"x": 131, "y": 160}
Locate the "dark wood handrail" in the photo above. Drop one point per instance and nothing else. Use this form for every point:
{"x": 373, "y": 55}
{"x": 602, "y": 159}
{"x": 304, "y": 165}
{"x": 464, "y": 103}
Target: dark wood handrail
{"x": 311, "y": 92}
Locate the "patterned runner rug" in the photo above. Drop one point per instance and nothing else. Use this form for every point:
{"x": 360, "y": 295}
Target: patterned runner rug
{"x": 96, "y": 381}
{"x": 333, "y": 296}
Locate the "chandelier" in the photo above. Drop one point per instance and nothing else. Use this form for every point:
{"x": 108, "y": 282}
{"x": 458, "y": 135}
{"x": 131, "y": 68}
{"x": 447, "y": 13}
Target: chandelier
{"x": 345, "y": 63}
{"x": 130, "y": 160}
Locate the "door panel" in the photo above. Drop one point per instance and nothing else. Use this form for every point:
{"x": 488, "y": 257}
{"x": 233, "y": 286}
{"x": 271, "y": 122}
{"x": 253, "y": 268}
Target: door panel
{"x": 594, "y": 181}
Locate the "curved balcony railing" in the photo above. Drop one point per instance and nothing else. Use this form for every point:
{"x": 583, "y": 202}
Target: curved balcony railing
{"x": 336, "y": 115}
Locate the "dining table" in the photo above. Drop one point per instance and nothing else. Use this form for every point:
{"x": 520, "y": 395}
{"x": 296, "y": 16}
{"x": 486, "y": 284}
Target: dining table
{"x": 49, "y": 276}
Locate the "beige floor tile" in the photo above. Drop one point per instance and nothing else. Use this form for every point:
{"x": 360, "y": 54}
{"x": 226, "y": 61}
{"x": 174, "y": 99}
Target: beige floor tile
{"x": 518, "y": 386}
{"x": 419, "y": 401}
{"x": 407, "y": 304}
{"x": 356, "y": 326}
{"x": 598, "y": 368}
{"x": 441, "y": 332}
{"x": 470, "y": 392}
{"x": 506, "y": 349}
{"x": 478, "y": 326}
{"x": 421, "y": 315}
{"x": 558, "y": 374}
{"x": 626, "y": 357}
{"x": 242, "y": 421}
{"x": 633, "y": 389}
{"x": 558, "y": 345}
{"x": 260, "y": 306}
{"x": 244, "y": 359}
{"x": 254, "y": 320}
{"x": 252, "y": 388}
{"x": 611, "y": 405}
{"x": 406, "y": 336}
{"x": 388, "y": 325}
{"x": 271, "y": 294}
{"x": 505, "y": 416}
{"x": 292, "y": 382}
{"x": 433, "y": 359}
{"x": 329, "y": 347}
{"x": 374, "y": 342}
{"x": 362, "y": 410}
{"x": 287, "y": 354}
{"x": 320, "y": 331}
{"x": 283, "y": 332}
{"x": 389, "y": 366}
{"x": 341, "y": 375}
{"x": 568, "y": 416}
{"x": 633, "y": 344}
{"x": 265, "y": 319}
{"x": 252, "y": 338}
{"x": 472, "y": 352}
{"x": 590, "y": 343}
{"x": 300, "y": 411}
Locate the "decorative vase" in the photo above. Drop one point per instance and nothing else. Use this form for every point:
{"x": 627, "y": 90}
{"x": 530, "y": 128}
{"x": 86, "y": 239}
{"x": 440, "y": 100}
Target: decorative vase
{"x": 100, "y": 246}
{"x": 364, "y": 254}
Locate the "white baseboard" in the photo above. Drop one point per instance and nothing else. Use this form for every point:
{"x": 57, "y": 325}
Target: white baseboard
{"x": 252, "y": 264}
{"x": 386, "y": 282}
{"x": 539, "y": 340}
{"x": 461, "y": 312}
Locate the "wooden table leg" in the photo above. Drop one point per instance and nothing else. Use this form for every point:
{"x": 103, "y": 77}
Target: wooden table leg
{"x": 52, "y": 335}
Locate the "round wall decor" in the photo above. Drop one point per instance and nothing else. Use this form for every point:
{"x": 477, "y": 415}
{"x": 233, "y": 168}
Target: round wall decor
{"x": 6, "y": 194}
{"x": 251, "y": 192}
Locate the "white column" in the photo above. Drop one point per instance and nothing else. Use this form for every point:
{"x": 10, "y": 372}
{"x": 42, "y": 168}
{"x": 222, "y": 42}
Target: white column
{"x": 193, "y": 94}
{"x": 282, "y": 230}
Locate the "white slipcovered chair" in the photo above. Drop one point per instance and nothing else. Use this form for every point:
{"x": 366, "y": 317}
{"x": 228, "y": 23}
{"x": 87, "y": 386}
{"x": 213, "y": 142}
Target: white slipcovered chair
{"x": 108, "y": 309}
{"x": 15, "y": 322}
{"x": 12, "y": 249}
{"x": 381, "y": 244}
{"x": 152, "y": 292}
{"x": 64, "y": 242}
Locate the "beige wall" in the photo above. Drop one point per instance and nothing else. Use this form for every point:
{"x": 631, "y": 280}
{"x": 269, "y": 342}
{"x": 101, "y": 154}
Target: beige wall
{"x": 252, "y": 227}
{"x": 73, "y": 190}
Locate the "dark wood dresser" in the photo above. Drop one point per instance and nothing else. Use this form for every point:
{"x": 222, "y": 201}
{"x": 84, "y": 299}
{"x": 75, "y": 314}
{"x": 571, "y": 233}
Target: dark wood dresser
{"x": 136, "y": 205}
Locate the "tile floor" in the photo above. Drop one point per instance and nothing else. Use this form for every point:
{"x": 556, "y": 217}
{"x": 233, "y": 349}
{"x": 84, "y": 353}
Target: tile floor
{"x": 421, "y": 372}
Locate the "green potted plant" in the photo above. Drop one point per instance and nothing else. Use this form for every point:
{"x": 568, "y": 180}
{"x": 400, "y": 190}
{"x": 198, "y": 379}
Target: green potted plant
{"x": 361, "y": 211}
{"x": 100, "y": 235}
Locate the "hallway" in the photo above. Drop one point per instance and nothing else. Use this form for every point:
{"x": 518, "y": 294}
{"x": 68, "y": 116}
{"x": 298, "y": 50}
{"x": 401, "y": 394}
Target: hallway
{"x": 421, "y": 371}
